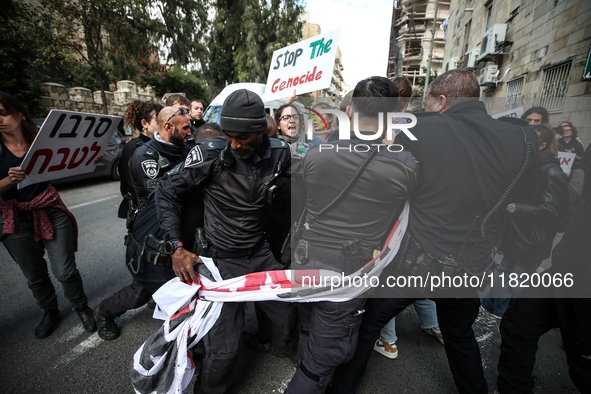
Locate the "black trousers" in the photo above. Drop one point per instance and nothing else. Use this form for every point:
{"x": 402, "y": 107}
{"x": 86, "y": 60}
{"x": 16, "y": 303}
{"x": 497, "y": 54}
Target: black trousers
{"x": 222, "y": 341}
{"x": 328, "y": 338}
{"x": 455, "y": 316}
{"x": 130, "y": 297}
{"x": 524, "y": 324}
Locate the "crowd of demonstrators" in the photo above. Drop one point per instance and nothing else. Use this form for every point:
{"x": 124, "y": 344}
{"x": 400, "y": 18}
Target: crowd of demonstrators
{"x": 142, "y": 116}
{"x": 146, "y": 167}
{"x": 531, "y": 227}
{"x": 212, "y": 183}
{"x": 35, "y": 221}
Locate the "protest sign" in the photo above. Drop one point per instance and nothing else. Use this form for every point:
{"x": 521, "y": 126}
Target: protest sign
{"x": 566, "y": 160}
{"x": 513, "y": 113}
{"x": 306, "y": 66}
{"x": 67, "y": 144}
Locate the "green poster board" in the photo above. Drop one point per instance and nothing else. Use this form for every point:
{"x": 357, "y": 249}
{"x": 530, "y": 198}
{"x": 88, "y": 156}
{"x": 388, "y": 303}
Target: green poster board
{"x": 587, "y": 70}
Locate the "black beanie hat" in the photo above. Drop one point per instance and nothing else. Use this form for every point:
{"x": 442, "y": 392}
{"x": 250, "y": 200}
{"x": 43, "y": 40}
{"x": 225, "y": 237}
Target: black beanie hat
{"x": 243, "y": 112}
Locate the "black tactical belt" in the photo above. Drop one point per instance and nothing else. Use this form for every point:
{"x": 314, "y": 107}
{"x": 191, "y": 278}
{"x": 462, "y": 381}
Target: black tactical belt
{"x": 154, "y": 257}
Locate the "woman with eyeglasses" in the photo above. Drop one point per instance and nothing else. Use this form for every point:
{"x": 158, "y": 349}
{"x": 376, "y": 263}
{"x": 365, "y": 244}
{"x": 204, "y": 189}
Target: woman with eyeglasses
{"x": 532, "y": 226}
{"x": 288, "y": 120}
{"x": 34, "y": 221}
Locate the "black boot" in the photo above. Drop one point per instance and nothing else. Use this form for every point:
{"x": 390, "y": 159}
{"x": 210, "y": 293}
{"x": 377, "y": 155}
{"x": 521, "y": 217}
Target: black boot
{"x": 106, "y": 327}
{"x": 49, "y": 323}
{"x": 86, "y": 317}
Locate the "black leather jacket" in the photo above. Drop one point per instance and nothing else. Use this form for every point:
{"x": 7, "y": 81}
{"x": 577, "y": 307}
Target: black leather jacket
{"x": 235, "y": 196}
{"x": 532, "y": 227}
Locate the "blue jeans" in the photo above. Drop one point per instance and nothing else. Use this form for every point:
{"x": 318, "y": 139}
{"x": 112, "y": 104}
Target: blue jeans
{"x": 28, "y": 254}
{"x": 427, "y": 313}
{"x": 501, "y": 295}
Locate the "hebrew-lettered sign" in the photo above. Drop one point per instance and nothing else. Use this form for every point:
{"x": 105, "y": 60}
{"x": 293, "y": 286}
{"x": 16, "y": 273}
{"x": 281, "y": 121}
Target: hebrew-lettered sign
{"x": 566, "y": 161}
{"x": 67, "y": 144}
{"x": 305, "y": 66}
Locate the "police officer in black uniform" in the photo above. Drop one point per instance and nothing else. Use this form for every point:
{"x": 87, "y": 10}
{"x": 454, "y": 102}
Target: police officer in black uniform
{"x": 149, "y": 163}
{"x": 233, "y": 172}
{"x": 345, "y": 238}
{"x": 467, "y": 161}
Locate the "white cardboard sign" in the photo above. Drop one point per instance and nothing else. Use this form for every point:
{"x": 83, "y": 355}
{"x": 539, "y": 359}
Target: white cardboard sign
{"x": 67, "y": 144}
{"x": 566, "y": 160}
{"x": 306, "y": 66}
{"x": 513, "y": 113}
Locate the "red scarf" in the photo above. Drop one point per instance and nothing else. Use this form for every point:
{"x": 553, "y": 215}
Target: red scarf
{"x": 43, "y": 229}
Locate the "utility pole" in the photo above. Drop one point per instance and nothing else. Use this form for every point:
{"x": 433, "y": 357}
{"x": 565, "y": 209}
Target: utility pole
{"x": 431, "y": 49}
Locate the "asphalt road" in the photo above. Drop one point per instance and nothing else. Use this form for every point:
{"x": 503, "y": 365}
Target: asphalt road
{"x": 73, "y": 361}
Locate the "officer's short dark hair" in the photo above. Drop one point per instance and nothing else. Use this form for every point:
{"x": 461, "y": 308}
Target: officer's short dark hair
{"x": 456, "y": 85}
{"x": 367, "y": 94}
{"x": 208, "y": 130}
{"x": 537, "y": 110}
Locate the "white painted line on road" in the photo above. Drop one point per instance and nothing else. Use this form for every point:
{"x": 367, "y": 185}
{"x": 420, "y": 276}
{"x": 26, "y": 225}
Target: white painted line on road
{"x": 73, "y": 333}
{"x": 93, "y": 202}
{"x": 93, "y": 341}
{"x": 82, "y": 348}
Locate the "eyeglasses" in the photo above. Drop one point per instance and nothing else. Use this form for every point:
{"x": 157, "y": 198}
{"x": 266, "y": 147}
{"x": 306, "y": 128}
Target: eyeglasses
{"x": 287, "y": 118}
{"x": 182, "y": 110}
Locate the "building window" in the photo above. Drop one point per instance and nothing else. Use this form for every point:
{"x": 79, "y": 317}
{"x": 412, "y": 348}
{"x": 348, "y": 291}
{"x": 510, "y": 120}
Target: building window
{"x": 487, "y": 98}
{"x": 487, "y": 18}
{"x": 555, "y": 86}
{"x": 467, "y": 35}
{"x": 513, "y": 93}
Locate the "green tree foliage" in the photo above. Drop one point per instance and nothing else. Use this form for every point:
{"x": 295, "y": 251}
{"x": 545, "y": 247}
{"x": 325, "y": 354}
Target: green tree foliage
{"x": 184, "y": 30}
{"x": 97, "y": 30}
{"x": 166, "y": 78}
{"x": 244, "y": 35}
{"x": 20, "y": 53}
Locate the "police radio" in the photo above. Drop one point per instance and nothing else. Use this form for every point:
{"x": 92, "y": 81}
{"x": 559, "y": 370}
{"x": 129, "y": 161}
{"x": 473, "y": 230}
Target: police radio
{"x": 226, "y": 158}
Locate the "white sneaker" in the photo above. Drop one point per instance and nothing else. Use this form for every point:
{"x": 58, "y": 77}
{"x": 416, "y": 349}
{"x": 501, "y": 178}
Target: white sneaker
{"x": 436, "y": 332}
{"x": 386, "y": 349}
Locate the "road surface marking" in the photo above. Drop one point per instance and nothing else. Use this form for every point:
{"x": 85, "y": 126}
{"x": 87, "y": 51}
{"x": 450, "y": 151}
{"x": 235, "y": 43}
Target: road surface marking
{"x": 93, "y": 202}
{"x": 93, "y": 341}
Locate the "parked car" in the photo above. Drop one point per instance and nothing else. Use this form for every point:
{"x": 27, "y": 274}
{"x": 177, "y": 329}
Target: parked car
{"x": 108, "y": 166}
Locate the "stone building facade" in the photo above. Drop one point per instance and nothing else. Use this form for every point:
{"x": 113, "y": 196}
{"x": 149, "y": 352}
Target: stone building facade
{"x": 527, "y": 53}
{"x": 80, "y": 99}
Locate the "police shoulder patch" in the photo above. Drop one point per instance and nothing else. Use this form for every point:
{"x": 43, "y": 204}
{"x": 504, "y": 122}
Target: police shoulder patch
{"x": 151, "y": 168}
{"x": 194, "y": 157}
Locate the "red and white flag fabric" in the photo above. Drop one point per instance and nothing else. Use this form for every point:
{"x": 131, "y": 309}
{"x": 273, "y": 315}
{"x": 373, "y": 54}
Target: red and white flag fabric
{"x": 163, "y": 364}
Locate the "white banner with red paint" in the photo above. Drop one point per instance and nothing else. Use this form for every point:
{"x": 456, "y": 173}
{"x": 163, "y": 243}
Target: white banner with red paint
{"x": 67, "y": 144}
{"x": 305, "y": 67}
{"x": 566, "y": 161}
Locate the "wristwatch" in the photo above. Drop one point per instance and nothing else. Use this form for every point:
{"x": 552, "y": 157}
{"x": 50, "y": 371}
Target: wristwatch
{"x": 171, "y": 246}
